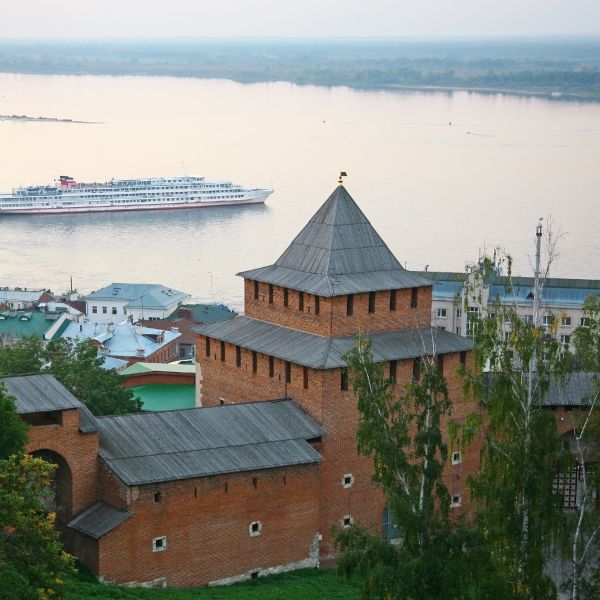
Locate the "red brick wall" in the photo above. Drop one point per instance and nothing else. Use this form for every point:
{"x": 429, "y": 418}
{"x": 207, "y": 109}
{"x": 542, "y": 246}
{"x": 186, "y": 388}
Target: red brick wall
{"x": 80, "y": 452}
{"x": 206, "y": 524}
{"x": 333, "y": 319}
{"x": 159, "y": 377}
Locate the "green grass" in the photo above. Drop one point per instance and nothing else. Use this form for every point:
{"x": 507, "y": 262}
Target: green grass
{"x": 305, "y": 584}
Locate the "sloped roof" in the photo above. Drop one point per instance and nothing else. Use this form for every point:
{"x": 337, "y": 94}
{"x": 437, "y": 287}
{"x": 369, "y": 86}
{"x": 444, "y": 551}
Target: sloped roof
{"x": 99, "y": 519}
{"x": 39, "y": 393}
{"x": 144, "y": 367}
{"x": 319, "y": 352}
{"x": 146, "y": 448}
{"x": 337, "y": 252}
{"x": 142, "y": 295}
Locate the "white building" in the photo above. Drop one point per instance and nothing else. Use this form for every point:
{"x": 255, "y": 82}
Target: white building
{"x": 134, "y": 301}
{"x": 22, "y": 298}
{"x": 457, "y": 294}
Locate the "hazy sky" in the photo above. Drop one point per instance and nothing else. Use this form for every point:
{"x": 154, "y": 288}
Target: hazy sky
{"x": 301, "y": 18}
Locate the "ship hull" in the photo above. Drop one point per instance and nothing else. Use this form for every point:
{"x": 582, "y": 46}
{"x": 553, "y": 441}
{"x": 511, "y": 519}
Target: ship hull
{"x": 63, "y": 210}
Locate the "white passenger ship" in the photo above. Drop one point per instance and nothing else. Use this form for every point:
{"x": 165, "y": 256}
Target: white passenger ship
{"x": 69, "y": 196}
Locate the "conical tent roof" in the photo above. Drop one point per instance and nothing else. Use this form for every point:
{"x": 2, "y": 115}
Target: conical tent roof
{"x": 338, "y": 252}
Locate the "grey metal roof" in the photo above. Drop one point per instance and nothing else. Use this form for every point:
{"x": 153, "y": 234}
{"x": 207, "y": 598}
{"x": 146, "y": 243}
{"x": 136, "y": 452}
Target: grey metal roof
{"x": 39, "y": 393}
{"x": 146, "y": 448}
{"x": 337, "y": 252}
{"x": 576, "y": 390}
{"x": 320, "y": 352}
{"x": 99, "y": 519}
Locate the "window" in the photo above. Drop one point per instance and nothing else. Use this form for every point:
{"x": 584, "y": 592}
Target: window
{"x": 104, "y": 310}
{"x": 254, "y": 361}
{"x": 527, "y": 318}
{"x": 584, "y": 321}
{"x": 256, "y": 290}
{"x": 566, "y": 321}
{"x": 94, "y": 309}
{"x": 456, "y": 457}
{"x": 347, "y": 480}
{"x": 238, "y": 356}
{"x": 288, "y": 372}
{"x": 393, "y": 295}
{"x": 547, "y": 319}
{"x": 305, "y": 377}
{"x": 157, "y": 496}
{"x": 393, "y": 369}
{"x": 317, "y": 305}
{"x": 270, "y": 294}
{"x": 344, "y": 380}
{"x": 207, "y": 346}
{"x": 159, "y": 544}
{"x": 463, "y": 358}
{"x": 371, "y": 302}
{"x": 114, "y": 310}
{"x": 416, "y": 368}
{"x": 455, "y": 501}
{"x": 349, "y": 305}
{"x": 389, "y": 530}
{"x": 440, "y": 364}
{"x": 441, "y": 313}
{"x": 222, "y": 351}
{"x": 414, "y": 297}
{"x": 271, "y": 366}
{"x": 346, "y": 521}
{"x": 565, "y": 340}
{"x": 286, "y": 294}
{"x": 255, "y": 528}
{"x": 301, "y": 301}
{"x": 458, "y": 313}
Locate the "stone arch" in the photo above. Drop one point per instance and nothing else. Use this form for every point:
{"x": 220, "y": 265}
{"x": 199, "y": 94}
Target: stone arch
{"x": 60, "y": 500}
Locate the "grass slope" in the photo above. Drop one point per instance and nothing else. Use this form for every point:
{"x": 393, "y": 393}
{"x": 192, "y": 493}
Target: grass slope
{"x": 306, "y": 584}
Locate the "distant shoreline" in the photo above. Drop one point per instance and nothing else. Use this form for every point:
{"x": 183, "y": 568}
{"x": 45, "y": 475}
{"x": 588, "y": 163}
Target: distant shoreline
{"x": 28, "y": 118}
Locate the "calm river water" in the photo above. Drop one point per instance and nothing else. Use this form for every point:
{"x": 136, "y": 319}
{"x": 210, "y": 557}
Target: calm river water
{"x": 439, "y": 175}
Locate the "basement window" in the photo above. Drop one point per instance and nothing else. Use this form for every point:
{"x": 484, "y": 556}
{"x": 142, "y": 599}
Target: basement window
{"x": 255, "y": 528}
{"x": 346, "y": 521}
{"x": 456, "y": 501}
{"x": 456, "y": 457}
{"x": 159, "y": 544}
{"x": 347, "y": 480}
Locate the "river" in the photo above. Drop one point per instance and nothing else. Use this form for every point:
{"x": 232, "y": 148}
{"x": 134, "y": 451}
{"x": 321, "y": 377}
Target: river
{"x": 440, "y": 175}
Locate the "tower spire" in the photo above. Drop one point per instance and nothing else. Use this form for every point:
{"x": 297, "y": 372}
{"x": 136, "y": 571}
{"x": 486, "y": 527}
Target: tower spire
{"x": 341, "y": 178}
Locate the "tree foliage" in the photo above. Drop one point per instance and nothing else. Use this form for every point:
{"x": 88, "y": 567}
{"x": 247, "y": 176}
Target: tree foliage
{"x": 404, "y": 437}
{"x": 13, "y": 430}
{"x": 587, "y": 337}
{"x": 78, "y": 367}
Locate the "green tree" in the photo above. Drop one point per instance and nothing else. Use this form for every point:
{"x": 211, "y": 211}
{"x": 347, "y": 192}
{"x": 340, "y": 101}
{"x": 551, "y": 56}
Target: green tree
{"x": 79, "y": 368}
{"x": 518, "y": 512}
{"x": 33, "y": 564}
{"x": 13, "y": 430}
{"x": 587, "y": 337}
{"x": 404, "y": 437}
{"x": 24, "y": 356}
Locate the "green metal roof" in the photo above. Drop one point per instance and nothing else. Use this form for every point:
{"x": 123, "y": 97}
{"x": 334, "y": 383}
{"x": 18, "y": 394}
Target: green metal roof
{"x": 13, "y": 328}
{"x": 158, "y": 397}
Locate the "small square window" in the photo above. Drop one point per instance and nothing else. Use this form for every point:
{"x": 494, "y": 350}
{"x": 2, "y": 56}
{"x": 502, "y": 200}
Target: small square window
{"x": 441, "y": 313}
{"x": 456, "y": 458}
{"x": 346, "y": 521}
{"x": 104, "y": 310}
{"x": 255, "y": 528}
{"x": 159, "y": 544}
{"x": 114, "y": 310}
{"x": 347, "y": 480}
{"x": 567, "y": 321}
{"x": 456, "y": 501}
{"x": 94, "y": 309}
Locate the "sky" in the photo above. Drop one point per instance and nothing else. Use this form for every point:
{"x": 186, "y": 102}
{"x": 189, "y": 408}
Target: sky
{"x": 76, "y": 19}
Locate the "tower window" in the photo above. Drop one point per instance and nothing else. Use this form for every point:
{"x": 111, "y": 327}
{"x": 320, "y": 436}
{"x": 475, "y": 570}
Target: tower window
{"x": 271, "y": 366}
{"x": 317, "y": 305}
{"x": 372, "y": 302}
{"x": 254, "y": 361}
{"x": 440, "y": 364}
{"x": 288, "y": 372}
{"x": 254, "y": 529}
{"x": 270, "y": 294}
{"x": 349, "y": 305}
{"x": 393, "y": 296}
{"x": 256, "y": 290}
{"x": 286, "y": 294}
{"x": 414, "y": 297}
{"x": 222, "y": 351}
{"x": 159, "y": 544}
{"x": 463, "y": 358}
{"x": 344, "y": 380}
{"x": 416, "y": 368}
{"x": 238, "y": 356}
{"x": 207, "y": 346}
{"x": 393, "y": 369}
{"x": 305, "y": 377}
{"x": 301, "y": 301}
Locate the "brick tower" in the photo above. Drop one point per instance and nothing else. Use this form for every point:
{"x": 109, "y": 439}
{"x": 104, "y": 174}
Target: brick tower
{"x": 335, "y": 280}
